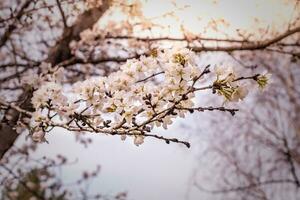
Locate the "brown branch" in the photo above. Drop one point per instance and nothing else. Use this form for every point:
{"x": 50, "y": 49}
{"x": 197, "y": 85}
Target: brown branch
{"x": 183, "y": 39}
{"x": 15, "y": 107}
{"x": 15, "y": 75}
{"x": 210, "y": 108}
{"x": 62, "y": 13}
{"x": 149, "y": 77}
{"x": 168, "y": 140}
{"x": 249, "y": 46}
{"x": 245, "y": 44}
{"x": 7, "y": 65}
{"x": 116, "y": 132}
{"x": 12, "y": 26}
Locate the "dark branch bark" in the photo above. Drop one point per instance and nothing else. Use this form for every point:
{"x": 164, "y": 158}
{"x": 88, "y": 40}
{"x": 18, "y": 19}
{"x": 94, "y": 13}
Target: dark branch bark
{"x": 62, "y": 13}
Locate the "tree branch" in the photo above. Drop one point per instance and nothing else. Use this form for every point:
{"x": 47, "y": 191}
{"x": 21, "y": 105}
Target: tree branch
{"x": 62, "y": 13}
{"x": 12, "y": 26}
{"x": 250, "y": 46}
{"x": 246, "y": 187}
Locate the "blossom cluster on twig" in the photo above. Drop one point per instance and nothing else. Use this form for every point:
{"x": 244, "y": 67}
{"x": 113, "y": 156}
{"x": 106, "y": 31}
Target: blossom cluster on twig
{"x": 148, "y": 92}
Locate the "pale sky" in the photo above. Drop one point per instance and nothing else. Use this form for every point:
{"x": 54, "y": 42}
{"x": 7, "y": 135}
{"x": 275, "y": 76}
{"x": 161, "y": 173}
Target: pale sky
{"x": 229, "y": 15}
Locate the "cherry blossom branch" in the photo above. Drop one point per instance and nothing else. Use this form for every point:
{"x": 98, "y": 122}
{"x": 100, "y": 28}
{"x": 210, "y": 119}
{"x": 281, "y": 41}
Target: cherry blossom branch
{"x": 95, "y": 130}
{"x": 168, "y": 140}
{"x": 254, "y": 77}
{"x": 116, "y": 132}
{"x": 211, "y": 108}
{"x": 136, "y": 104}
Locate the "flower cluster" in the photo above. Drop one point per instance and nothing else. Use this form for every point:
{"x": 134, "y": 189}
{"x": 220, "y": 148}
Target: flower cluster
{"x": 263, "y": 80}
{"x": 48, "y": 74}
{"x": 145, "y": 93}
{"x": 226, "y": 85}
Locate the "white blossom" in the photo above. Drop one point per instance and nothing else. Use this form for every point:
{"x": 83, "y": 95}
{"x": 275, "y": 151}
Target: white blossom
{"x": 38, "y": 136}
{"x": 138, "y": 140}
{"x": 127, "y": 100}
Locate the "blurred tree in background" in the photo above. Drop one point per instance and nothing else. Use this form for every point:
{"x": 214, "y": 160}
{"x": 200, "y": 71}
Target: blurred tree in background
{"x": 255, "y": 153}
